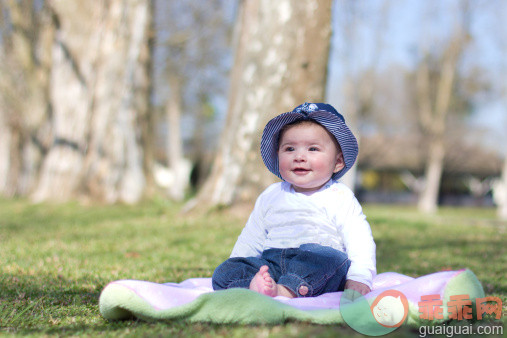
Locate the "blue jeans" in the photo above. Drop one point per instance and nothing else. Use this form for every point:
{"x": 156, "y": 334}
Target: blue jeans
{"x": 320, "y": 268}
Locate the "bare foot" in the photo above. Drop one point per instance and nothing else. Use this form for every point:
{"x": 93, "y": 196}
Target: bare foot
{"x": 263, "y": 283}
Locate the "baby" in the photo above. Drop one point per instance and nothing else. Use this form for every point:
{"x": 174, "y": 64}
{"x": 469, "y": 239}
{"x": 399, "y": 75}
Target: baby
{"x": 307, "y": 235}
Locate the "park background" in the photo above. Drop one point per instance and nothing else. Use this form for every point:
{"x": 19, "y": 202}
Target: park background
{"x": 139, "y": 121}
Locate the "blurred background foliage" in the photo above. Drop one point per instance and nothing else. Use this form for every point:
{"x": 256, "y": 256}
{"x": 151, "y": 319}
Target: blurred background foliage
{"x": 116, "y": 101}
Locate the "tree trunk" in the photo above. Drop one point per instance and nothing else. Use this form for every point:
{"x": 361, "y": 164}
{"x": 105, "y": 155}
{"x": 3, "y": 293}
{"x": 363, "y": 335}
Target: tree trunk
{"x": 428, "y": 199}
{"x": 433, "y": 117}
{"x": 9, "y": 155}
{"x": 501, "y": 193}
{"x": 115, "y": 169}
{"x": 24, "y": 96}
{"x": 100, "y": 98}
{"x": 280, "y": 62}
{"x": 179, "y": 167}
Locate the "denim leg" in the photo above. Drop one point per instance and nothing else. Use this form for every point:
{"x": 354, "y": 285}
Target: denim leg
{"x": 320, "y": 268}
{"x": 236, "y": 272}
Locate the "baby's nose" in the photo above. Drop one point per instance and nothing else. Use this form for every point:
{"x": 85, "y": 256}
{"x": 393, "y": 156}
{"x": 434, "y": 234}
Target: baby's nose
{"x": 300, "y": 156}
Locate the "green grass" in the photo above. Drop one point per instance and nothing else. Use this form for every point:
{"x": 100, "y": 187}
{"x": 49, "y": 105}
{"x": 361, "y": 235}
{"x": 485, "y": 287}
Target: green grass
{"x": 55, "y": 260}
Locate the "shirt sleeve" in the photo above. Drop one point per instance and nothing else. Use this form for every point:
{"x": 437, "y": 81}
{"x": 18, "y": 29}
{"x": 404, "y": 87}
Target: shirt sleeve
{"x": 359, "y": 244}
{"x": 250, "y": 242}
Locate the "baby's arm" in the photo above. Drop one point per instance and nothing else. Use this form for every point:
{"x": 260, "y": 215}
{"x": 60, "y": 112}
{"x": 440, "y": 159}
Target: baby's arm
{"x": 360, "y": 248}
{"x": 250, "y": 241}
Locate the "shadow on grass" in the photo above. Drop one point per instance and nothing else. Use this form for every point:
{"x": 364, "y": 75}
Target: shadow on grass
{"x": 180, "y": 328}
{"x": 19, "y": 287}
{"x": 35, "y": 301}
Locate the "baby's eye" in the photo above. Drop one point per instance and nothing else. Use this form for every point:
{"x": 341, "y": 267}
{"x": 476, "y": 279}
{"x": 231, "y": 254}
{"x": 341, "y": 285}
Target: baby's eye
{"x": 313, "y": 149}
{"x": 288, "y": 148}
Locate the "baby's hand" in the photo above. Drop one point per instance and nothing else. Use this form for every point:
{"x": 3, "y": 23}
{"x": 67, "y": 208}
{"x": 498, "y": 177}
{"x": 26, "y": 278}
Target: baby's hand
{"x": 357, "y": 286}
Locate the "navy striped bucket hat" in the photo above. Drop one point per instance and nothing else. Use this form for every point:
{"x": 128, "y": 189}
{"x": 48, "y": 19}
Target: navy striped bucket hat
{"x": 322, "y": 113}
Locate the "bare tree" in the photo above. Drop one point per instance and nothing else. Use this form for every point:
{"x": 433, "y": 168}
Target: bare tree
{"x": 281, "y": 55}
{"x": 100, "y": 100}
{"x": 434, "y": 93}
{"x": 358, "y": 85}
{"x": 193, "y": 44}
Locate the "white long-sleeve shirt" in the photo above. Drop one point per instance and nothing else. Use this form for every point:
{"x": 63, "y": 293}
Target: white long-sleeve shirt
{"x": 332, "y": 216}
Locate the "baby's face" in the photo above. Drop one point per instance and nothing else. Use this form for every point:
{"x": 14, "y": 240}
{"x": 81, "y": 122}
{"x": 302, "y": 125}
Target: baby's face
{"x": 308, "y": 156}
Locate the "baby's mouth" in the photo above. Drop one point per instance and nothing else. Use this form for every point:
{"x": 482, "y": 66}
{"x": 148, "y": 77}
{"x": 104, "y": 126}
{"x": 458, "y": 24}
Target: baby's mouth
{"x": 300, "y": 170}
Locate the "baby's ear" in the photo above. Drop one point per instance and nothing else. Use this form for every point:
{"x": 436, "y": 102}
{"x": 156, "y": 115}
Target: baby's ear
{"x": 340, "y": 163}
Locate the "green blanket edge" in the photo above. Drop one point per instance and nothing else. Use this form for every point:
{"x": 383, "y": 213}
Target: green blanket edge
{"x": 242, "y": 306}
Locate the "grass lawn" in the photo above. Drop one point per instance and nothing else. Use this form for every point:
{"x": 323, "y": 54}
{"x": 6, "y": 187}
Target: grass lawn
{"x": 55, "y": 260}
